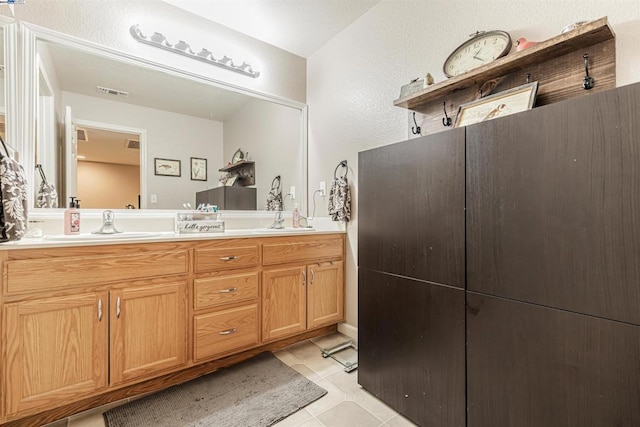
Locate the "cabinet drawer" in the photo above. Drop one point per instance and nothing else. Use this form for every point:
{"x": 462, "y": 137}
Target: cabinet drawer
{"x": 214, "y": 291}
{"x": 313, "y": 250}
{"x": 223, "y": 331}
{"x": 40, "y": 274}
{"x": 226, "y": 258}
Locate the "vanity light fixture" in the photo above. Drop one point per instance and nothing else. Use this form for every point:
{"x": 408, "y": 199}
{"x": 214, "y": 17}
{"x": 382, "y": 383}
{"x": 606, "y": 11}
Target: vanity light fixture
{"x": 109, "y": 91}
{"x": 183, "y": 48}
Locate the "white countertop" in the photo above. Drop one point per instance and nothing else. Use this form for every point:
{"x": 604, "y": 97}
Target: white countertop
{"x": 88, "y": 239}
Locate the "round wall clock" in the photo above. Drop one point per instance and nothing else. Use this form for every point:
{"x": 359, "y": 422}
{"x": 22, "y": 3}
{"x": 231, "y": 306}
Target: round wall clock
{"x": 483, "y": 48}
{"x": 238, "y": 156}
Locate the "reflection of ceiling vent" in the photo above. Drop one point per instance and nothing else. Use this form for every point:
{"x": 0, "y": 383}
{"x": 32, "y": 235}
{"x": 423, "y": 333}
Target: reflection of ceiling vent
{"x": 133, "y": 144}
{"x": 108, "y": 91}
{"x": 82, "y": 134}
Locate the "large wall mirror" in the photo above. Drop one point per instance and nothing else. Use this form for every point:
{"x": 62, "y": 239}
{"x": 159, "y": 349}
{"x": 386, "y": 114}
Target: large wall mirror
{"x": 119, "y": 132}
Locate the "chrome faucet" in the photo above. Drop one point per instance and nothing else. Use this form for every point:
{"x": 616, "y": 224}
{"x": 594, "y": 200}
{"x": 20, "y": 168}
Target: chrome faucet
{"x": 277, "y": 223}
{"x": 107, "y": 224}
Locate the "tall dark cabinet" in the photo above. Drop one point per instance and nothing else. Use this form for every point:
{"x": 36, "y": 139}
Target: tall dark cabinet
{"x": 550, "y": 257}
{"x": 411, "y": 277}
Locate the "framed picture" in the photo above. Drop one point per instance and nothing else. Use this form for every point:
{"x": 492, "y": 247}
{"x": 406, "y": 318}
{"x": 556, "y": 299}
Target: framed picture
{"x": 501, "y": 104}
{"x": 167, "y": 167}
{"x": 198, "y": 169}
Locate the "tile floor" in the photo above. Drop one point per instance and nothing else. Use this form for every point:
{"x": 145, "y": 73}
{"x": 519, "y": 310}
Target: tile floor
{"x": 345, "y": 405}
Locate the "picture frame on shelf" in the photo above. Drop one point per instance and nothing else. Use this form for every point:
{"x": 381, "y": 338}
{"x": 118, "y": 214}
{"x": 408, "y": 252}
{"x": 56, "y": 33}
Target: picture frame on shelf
{"x": 501, "y": 104}
{"x": 198, "y": 169}
{"x": 167, "y": 167}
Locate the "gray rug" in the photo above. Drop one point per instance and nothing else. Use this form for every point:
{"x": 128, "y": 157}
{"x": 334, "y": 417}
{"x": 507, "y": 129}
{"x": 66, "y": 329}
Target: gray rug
{"x": 257, "y": 392}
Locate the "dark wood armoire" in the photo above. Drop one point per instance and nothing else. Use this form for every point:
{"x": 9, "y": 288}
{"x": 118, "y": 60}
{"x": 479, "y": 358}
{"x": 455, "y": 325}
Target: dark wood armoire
{"x": 499, "y": 269}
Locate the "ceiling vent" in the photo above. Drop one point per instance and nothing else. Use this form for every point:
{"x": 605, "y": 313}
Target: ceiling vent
{"x": 81, "y": 135}
{"x": 133, "y": 144}
{"x": 108, "y": 91}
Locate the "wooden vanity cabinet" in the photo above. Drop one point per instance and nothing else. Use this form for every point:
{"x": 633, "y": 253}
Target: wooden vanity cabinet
{"x": 56, "y": 349}
{"x": 148, "y": 330}
{"x": 226, "y": 298}
{"x": 99, "y": 323}
{"x": 71, "y": 332}
{"x": 298, "y": 297}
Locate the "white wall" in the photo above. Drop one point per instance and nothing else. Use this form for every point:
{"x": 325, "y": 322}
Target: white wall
{"x": 271, "y": 134}
{"x": 169, "y": 136}
{"x": 107, "y": 22}
{"x": 354, "y": 79}
{"x": 107, "y": 185}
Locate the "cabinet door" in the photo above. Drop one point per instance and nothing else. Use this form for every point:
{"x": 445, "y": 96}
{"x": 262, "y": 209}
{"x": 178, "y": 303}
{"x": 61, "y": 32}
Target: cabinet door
{"x": 532, "y": 366}
{"x": 325, "y": 294}
{"x": 411, "y": 208}
{"x": 411, "y": 348}
{"x": 56, "y": 351}
{"x": 283, "y": 302}
{"x": 552, "y": 205}
{"x": 148, "y": 330}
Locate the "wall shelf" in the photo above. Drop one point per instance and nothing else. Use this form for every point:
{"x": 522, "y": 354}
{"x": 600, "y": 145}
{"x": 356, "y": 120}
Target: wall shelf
{"x": 557, "y": 64}
{"x": 244, "y": 171}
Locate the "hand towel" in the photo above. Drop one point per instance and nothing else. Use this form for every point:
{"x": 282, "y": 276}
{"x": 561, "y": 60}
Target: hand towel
{"x": 47, "y": 196}
{"x": 340, "y": 200}
{"x": 13, "y": 189}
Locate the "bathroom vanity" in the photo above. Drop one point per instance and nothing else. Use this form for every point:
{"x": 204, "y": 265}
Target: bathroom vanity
{"x": 83, "y": 325}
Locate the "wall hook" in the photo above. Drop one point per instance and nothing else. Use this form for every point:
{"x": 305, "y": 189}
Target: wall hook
{"x": 588, "y": 82}
{"x": 415, "y": 129}
{"x": 446, "y": 120}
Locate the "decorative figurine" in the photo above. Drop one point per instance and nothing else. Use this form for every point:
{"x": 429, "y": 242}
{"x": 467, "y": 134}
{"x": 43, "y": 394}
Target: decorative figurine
{"x": 523, "y": 43}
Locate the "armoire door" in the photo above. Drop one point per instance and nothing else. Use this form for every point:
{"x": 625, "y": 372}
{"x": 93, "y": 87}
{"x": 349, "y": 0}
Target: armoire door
{"x": 533, "y": 366}
{"x": 411, "y": 208}
{"x": 553, "y": 202}
{"x": 411, "y": 349}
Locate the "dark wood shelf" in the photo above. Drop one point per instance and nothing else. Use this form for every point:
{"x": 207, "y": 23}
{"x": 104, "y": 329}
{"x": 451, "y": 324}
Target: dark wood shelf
{"x": 557, "y": 65}
{"x": 235, "y": 166}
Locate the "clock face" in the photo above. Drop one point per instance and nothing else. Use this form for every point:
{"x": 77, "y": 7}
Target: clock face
{"x": 480, "y": 50}
{"x": 238, "y": 156}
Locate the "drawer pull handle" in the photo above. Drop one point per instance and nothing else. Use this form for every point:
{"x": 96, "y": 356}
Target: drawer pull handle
{"x": 100, "y": 310}
{"x": 313, "y": 277}
{"x": 227, "y": 291}
{"x": 118, "y": 307}
{"x": 228, "y": 258}
{"x": 228, "y": 331}
{"x": 304, "y": 278}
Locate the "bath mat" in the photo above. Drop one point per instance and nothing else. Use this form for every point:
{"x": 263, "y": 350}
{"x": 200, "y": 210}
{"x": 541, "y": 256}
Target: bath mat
{"x": 257, "y": 392}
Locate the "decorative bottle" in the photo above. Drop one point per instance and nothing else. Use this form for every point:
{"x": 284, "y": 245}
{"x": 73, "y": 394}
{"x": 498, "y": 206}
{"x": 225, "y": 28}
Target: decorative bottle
{"x": 72, "y": 218}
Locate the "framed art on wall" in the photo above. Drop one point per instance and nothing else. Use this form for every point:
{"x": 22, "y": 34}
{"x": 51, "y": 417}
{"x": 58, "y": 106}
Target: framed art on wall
{"x": 501, "y": 104}
{"x": 198, "y": 169}
{"x": 167, "y": 167}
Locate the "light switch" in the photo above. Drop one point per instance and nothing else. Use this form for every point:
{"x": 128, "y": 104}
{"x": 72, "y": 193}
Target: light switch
{"x": 154, "y": 198}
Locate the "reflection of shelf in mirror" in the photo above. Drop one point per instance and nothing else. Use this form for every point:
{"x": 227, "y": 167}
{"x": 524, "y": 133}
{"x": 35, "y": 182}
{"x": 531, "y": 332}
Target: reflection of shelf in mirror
{"x": 236, "y": 166}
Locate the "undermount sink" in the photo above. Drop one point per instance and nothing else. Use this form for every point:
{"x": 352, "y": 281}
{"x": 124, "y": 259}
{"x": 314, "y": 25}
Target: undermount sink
{"x": 90, "y": 236}
{"x": 282, "y": 230}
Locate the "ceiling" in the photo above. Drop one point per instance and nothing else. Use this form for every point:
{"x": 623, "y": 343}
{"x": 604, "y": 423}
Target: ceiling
{"x": 297, "y": 26}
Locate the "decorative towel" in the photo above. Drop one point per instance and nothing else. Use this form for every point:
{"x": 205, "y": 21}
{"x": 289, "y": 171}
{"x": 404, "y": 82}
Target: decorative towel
{"x": 13, "y": 188}
{"x": 340, "y": 200}
{"x": 274, "y": 198}
{"x": 47, "y": 194}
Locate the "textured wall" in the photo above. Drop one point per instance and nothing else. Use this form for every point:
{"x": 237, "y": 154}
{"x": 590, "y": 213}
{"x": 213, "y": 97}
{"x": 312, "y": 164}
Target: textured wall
{"x": 353, "y": 80}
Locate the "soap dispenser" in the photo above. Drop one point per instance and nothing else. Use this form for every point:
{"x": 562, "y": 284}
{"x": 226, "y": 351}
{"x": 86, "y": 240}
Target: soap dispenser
{"x": 296, "y": 217}
{"x": 72, "y": 218}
